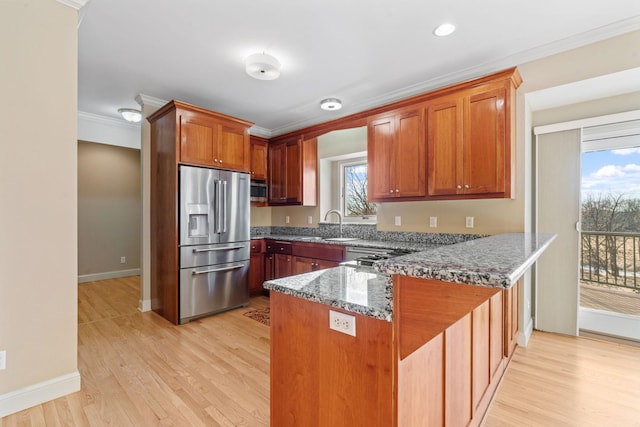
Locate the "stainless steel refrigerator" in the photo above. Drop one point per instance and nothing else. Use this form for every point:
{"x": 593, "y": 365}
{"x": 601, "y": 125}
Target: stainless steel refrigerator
{"x": 214, "y": 241}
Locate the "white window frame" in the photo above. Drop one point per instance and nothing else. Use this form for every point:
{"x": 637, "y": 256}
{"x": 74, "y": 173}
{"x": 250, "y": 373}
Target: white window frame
{"x": 342, "y": 165}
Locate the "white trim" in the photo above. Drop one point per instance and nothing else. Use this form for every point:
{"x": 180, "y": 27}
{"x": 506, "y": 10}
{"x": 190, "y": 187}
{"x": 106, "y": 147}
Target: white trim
{"x": 260, "y": 131}
{"x": 109, "y": 121}
{"x": 108, "y": 275}
{"x": 143, "y": 99}
{"x": 590, "y": 121}
{"x": 76, "y": 4}
{"x": 524, "y": 335}
{"x": 35, "y": 394}
{"x": 609, "y": 323}
{"x": 144, "y": 305}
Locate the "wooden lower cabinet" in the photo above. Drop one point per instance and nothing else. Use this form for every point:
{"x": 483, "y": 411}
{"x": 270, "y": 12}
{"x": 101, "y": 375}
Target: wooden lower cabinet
{"x": 512, "y": 326}
{"x": 305, "y": 265}
{"x": 282, "y": 265}
{"x": 438, "y": 362}
{"x": 256, "y": 268}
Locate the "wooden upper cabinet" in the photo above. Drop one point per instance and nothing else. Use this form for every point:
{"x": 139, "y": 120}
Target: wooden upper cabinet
{"x": 210, "y": 139}
{"x": 396, "y": 155}
{"x": 469, "y": 143}
{"x": 293, "y": 166}
{"x": 259, "y": 149}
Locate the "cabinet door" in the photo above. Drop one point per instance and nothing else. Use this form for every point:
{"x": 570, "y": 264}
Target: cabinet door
{"x": 231, "y": 149}
{"x": 302, "y": 265}
{"x": 197, "y": 136}
{"x": 258, "y": 159}
{"x": 256, "y": 273}
{"x": 444, "y": 147}
{"x": 511, "y": 326}
{"x": 410, "y": 158}
{"x": 282, "y": 265}
{"x": 380, "y": 158}
{"x": 293, "y": 166}
{"x": 485, "y": 142}
{"x": 321, "y": 264}
{"x": 277, "y": 173}
{"x": 269, "y": 267}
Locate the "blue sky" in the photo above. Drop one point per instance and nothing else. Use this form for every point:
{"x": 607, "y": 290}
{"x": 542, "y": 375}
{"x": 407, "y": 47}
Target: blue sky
{"x": 615, "y": 171}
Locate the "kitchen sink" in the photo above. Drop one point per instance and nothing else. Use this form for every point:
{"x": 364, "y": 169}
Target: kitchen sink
{"x": 342, "y": 239}
{"x": 310, "y": 238}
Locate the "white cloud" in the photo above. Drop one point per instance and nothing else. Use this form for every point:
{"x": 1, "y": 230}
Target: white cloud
{"x": 615, "y": 179}
{"x": 626, "y": 151}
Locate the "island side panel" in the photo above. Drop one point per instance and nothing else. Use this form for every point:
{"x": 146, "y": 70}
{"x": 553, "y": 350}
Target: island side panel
{"x": 321, "y": 377}
{"x": 449, "y": 349}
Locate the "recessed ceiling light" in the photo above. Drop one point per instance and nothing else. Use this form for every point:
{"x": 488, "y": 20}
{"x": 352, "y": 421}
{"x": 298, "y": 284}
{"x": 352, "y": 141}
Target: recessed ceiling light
{"x": 444, "y": 29}
{"x": 130, "y": 114}
{"x": 262, "y": 66}
{"x": 331, "y": 104}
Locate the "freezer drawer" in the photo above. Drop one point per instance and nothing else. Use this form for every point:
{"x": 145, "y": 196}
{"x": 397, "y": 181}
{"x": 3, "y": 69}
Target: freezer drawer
{"x": 200, "y": 255}
{"x": 213, "y": 288}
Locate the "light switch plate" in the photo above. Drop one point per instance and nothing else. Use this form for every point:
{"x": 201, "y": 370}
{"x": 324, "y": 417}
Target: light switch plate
{"x": 310, "y": 219}
{"x": 3, "y": 360}
{"x": 398, "y": 220}
{"x": 433, "y": 221}
{"x": 469, "y": 222}
{"x": 287, "y": 219}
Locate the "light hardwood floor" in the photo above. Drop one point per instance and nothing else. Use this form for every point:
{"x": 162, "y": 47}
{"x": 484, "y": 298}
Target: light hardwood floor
{"x": 139, "y": 370}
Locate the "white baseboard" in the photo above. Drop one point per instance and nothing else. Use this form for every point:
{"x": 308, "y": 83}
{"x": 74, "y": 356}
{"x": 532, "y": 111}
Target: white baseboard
{"x": 609, "y": 323}
{"x": 108, "y": 275}
{"x": 144, "y": 305}
{"x": 525, "y": 334}
{"x": 35, "y": 394}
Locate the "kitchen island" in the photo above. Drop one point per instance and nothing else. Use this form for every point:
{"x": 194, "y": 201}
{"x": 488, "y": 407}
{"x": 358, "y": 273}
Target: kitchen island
{"x": 432, "y": 335}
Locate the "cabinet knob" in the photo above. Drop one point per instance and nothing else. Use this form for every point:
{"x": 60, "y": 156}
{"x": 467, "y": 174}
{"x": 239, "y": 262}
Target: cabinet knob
{"x": 391, "y": 191}
{"x": 397, "y": 191}
{"x": 220, "y": 161}
{"x": 459, "y": 187}
{"x": 215, "y": 160}
{"x": 466, "y": 186}
{"x": 282, "y": 249}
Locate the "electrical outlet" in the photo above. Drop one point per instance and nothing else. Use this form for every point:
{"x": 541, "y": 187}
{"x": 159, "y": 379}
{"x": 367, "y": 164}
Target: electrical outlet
{"x": 3, "y": 360}
{"x": 287, "y": 219}
{"x": 469, "y": 222}
{"x": 123, "y": 259}
{"x": 309, "y": 219}
{"x": 433, "y": 221}
{"x": 342, "y": 323}
{"x": 398, "y": 220}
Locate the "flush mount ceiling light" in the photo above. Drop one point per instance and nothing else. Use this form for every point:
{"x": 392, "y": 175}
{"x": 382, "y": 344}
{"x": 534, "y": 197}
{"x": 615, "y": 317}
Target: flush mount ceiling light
{"x": 444, "y": 29}
{"x": 262, "y": 66}
{"x": 130, "y": 115}
{"x": 331, "y": 104}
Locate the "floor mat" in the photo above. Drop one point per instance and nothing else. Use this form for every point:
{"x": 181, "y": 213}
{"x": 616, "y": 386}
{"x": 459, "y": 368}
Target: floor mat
{"x": 260, "y": 315}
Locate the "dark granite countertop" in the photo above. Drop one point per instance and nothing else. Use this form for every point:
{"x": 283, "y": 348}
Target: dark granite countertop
{"x": 495, "y": 261}
{"x": 362, "y": 243}
{"x": 356, "y": 289}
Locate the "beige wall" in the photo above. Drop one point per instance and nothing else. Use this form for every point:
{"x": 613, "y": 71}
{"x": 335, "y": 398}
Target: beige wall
{"x": 38, "y": 194}
{"x": 109, "y": 208}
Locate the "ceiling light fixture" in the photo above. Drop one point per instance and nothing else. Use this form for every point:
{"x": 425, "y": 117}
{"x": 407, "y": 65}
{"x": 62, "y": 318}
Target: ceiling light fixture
{"x": 262, "y": 66}
{"x": 130, "y": 114}
{"x": 331, "y": 104}
{"x": 444, "y": 29}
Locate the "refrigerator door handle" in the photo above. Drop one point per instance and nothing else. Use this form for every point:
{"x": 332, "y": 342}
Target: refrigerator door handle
{"x": 217, "y": 208}
{"x": 216, "y": 270}
{"x": 224, "y": 206}
{"x": 197, "y": 251}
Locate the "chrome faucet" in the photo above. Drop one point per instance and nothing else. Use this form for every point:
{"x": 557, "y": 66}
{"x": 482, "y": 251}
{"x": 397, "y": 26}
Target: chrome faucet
{"x": 337, "y": 212}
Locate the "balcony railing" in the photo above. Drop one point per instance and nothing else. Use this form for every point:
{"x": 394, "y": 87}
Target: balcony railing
{"x": 610, "y": 258}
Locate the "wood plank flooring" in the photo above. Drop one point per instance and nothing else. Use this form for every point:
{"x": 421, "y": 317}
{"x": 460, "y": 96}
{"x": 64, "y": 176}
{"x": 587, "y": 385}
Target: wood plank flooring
{"x": 139, "y": 370}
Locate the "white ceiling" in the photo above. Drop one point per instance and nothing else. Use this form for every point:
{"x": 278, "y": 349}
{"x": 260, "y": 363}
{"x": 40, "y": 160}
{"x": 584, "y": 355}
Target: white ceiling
{"x": 367, "y": 53}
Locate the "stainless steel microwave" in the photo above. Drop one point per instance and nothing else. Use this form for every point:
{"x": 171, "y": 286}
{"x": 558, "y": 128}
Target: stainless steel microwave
{"x": 258, "y": 191}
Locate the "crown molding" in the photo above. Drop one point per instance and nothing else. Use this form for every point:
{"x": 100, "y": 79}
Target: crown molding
{"x": 260, "y": 131}
{"x": 569, "y": 43}
{"x": 76, "y": 4}
{"x": 107, "y": 120}
{"x": 143, "y": 99}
